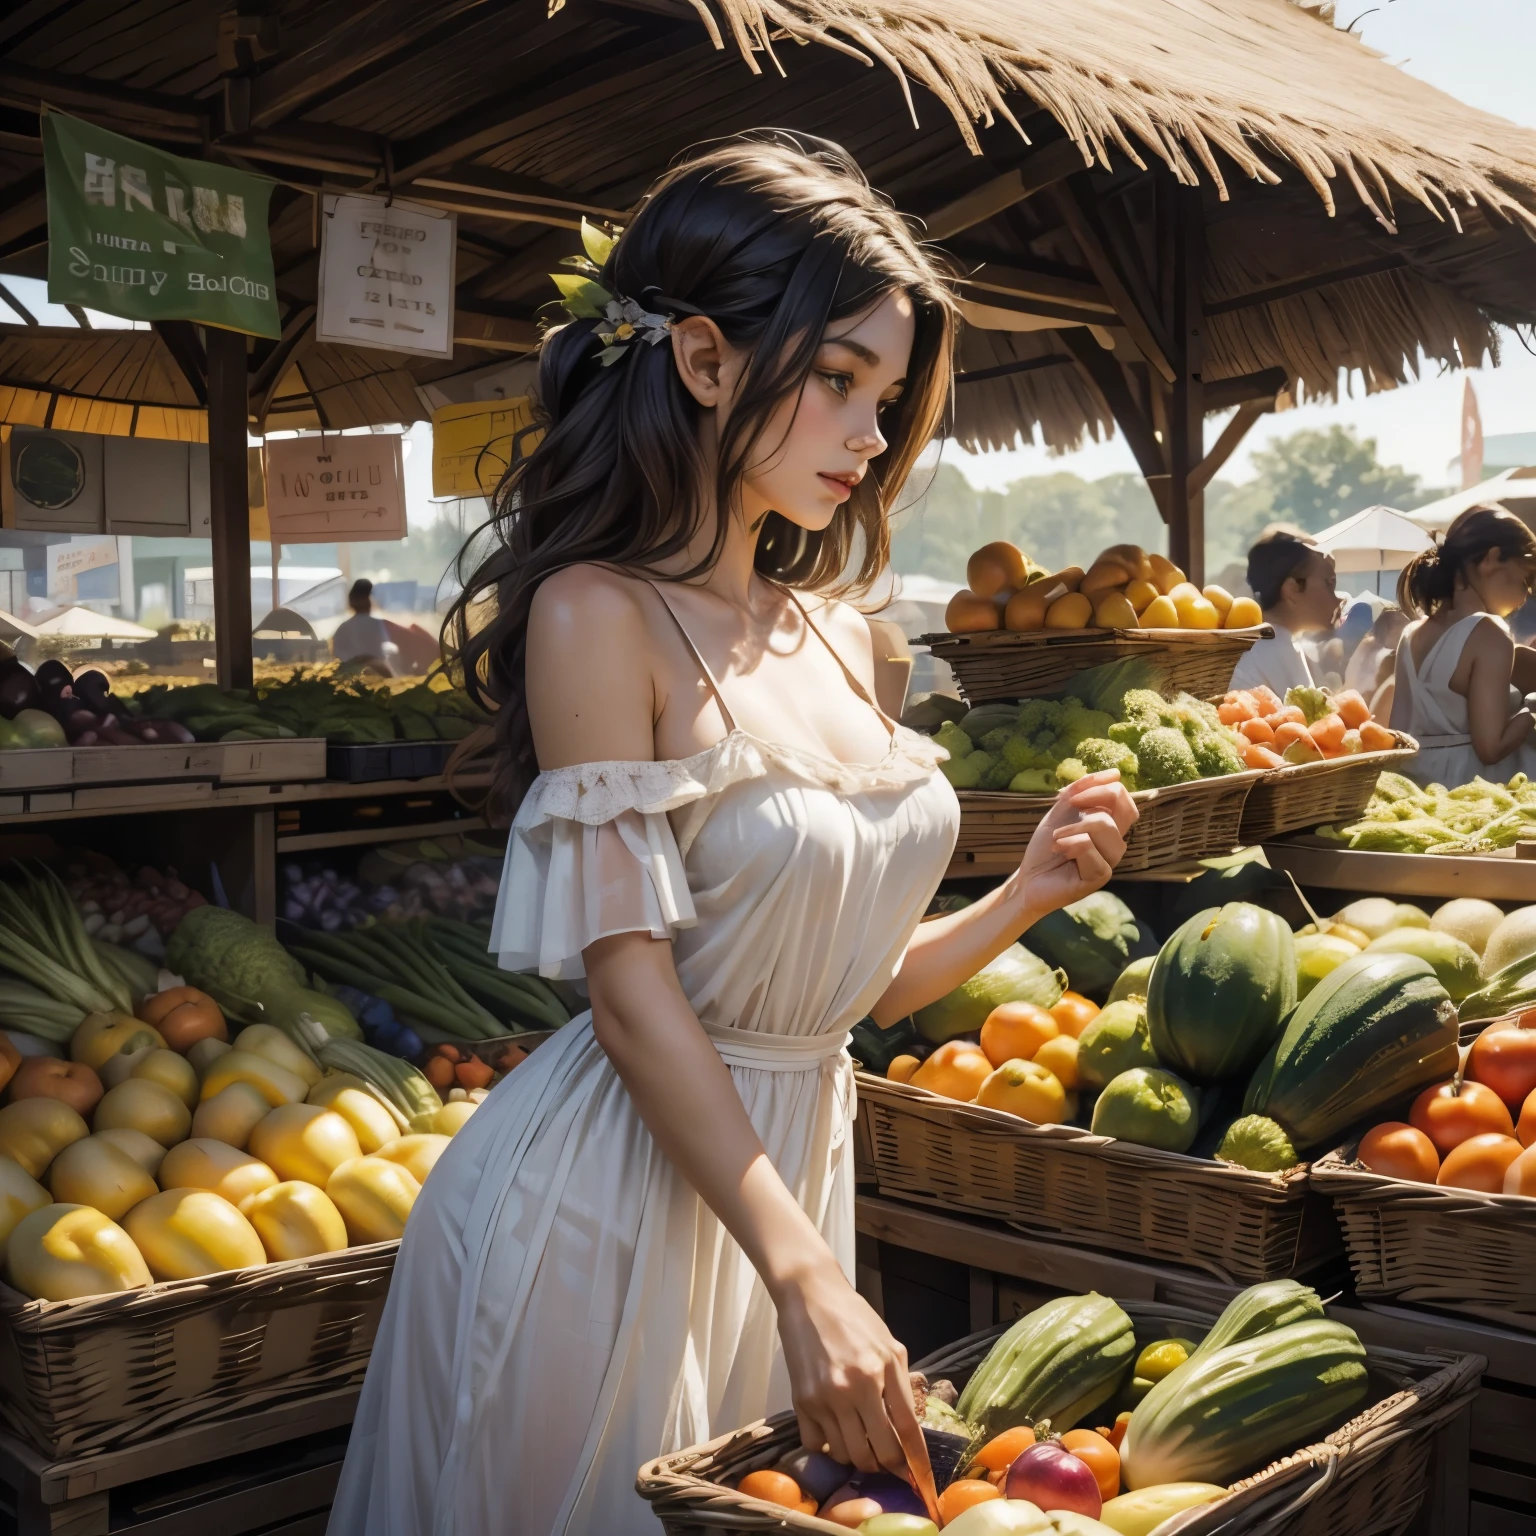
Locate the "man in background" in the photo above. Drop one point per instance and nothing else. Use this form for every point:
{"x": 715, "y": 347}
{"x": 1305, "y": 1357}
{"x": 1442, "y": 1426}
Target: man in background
{"x": 361, "y": 639}
{"x": 1293, "y": 582}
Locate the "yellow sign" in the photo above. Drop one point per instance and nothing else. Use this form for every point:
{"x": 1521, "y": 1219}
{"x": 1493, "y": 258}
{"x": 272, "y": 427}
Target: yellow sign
{"x": 472, "y": 445}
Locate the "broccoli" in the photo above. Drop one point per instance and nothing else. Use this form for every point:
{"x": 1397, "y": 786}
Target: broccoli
{"x": 1216, "y": 754}
{"x": 1128, "y": 733}
{"x": 1146, "y": 707}
{"x": 954, "y": 741}
{"x": 1314, "y": 702}
{"x": 1069, "y": 770}
{"x": 1164, "y": 757}
{"x": 998, "y": 776}
{"x": 1078, "y": 723}
{"x": 994, "y": 741}
{"x": 1033, "y": 781}
{"x": 1193, "y": 716}
{"x": 1099, "y": 753}
{"x": 967, "y": 772}
{"x": 1021, "y": 753}
{"x": 1040, "y": 717}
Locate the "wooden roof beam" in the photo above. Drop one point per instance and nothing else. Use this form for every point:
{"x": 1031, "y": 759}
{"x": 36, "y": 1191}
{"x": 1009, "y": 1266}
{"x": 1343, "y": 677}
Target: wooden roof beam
{"x": 1290, "y": 289}
{"x": 23, "y": 208}
{"x": 151, "y": 112}
{"x": 180, "y": 339}
{"x": 1019, "y": 365}
{"x": 1226, "y": 445}
{"x": 1223, "y": 394}
{"x": 1024, "y": 283}
{"x": 1106, "y": 376}
{"x": 496, "y": 333}
{"x": 1123, "y": 283}
{"x": 1040, "y": 170}
{"x": 487, "y": 182}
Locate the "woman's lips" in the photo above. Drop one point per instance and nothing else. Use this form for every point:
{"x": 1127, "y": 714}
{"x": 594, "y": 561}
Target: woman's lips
{"x": 844, "y": 488}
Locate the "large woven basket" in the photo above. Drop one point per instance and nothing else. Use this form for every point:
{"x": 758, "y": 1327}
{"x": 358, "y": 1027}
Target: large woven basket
{"x": 1182, "y": 822}
{"x": 111, "y": 1371}
{"x": 1060, "y": 1181}
{"x": 1305, "y": 795}
{"x": 997, "y": 664}
{"x": 1451, "y": 1248}
{"x": 1365, "y": 1479}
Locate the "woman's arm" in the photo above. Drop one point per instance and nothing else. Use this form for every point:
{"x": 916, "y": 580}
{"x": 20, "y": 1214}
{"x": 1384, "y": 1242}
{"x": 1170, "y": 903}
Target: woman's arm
{"x": 1072, "y": 853}
{"x": 1495, "y": 730}
{"x": 847, "y": 1374}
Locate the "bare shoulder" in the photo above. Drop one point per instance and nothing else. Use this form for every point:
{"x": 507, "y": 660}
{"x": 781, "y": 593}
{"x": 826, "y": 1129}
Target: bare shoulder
{"x": 590, "y": 670}
{"x": 1491, "y": 640}
{"x": 849, "y": 631}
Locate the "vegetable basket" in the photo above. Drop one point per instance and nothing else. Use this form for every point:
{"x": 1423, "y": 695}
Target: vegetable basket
{"x": 999, "y": 664}
{"x": 1301, "y": 796}
{"x": 1060, "y": 1181}
{"x": 1182, "y": 822}
{"x": 1365, "y": 1479}
{"x": 1454, "y": 1249}
{"x": 104, "y": 1372}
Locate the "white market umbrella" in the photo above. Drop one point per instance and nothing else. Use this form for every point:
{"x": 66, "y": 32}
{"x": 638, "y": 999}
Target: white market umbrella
{"x": 1513, "y": 489}
{"x": 77, "y": 623}
{"x": 11, "y": 627}
{"x": 1377, "y": 539}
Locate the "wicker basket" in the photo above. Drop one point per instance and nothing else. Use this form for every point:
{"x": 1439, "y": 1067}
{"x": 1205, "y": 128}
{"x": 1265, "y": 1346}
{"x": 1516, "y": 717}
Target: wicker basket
{"x": 110, "y": 1371}
{"x": 997, "y": 664}
{"x": 1451, "y": 1248}
{"x": 1184, "y": 821}
{"x": 1306, "y": 795}
{"x": 1060, "y": 1181}
{"x": 1366, "y": 1479}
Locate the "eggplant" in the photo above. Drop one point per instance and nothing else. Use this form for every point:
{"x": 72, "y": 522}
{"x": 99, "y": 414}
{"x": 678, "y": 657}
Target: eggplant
{"x": 171, "y": 731}
{"x": 18, "y": 689}
{"x": 94, "y": 689}
{"x": 86, "y": 739}
{"x": 116, "y": 736}
{"x": 80, "y": 720}
{"x": 52, "y": 677}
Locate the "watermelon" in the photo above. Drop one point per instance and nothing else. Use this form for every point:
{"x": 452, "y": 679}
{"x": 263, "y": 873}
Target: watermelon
{"x": 1016, "y": 976}
{"x": 1093, "y": 941}
{"x": 1220, "y": 989}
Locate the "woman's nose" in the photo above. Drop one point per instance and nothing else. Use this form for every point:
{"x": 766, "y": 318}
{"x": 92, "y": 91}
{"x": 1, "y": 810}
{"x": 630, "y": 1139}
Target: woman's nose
{"x": 870, "y": 443}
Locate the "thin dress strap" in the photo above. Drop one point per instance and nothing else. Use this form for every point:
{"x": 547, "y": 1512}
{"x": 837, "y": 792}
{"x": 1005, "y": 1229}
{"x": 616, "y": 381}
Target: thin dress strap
{"x": 698, "y": 656}
{"x": 853, "y": 681}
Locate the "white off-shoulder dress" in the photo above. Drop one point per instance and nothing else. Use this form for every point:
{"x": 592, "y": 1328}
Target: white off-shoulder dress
{"x": 565, "y": 1307}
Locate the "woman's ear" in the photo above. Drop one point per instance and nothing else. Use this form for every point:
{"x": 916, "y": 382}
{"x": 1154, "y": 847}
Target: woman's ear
{"x": 704, "y": 360}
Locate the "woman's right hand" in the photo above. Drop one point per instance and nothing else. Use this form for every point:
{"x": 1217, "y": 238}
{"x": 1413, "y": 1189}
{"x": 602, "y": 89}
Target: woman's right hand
{"x": 848, "y": 1376}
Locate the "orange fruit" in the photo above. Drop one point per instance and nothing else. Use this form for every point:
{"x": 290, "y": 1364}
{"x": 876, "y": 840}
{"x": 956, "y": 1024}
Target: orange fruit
{"x": 1398, "y": 1151}
{"x": 1243, "y": 614}
{"x": 1197, "y": 613}
{"x": 1016, "y": 1030}
{"x": 902, "y": 1068}
{"x": 1520, "y": 1176}
{"x": 1026, "y": 1089}
{"x": 1074, "y": 1013}
{"x": 773, "y": 1488}
{"x": 1133, "y": 557}
{"x": 1449, "y": 1118}
{"x": 1001, "y": 1451}
{"x": 1102, "y": 1458}
{"x": 1105, "y": 576}
{"x": 1059, "y": 1057}
{"x": 1183, "y": 592}
{"x": 956, "y": 1071}
{"x": 1070, "y": 612}
{"x": 1026, "y": 609}
{"x": 1479, "y": 1162}
{"x": 1159, "y": 614}
{"x": 1525, "y": 1127}
{"x": 967, "y": 613}
{"x": 1114, "y": 610}
{"x": 1219, "y": 598}
{"x": 1139, "y": 594}
{"x": 1504, "y": 1059}
{"x": 1165, "y": 574}
{"x": 996, "y": 568}
{"x": 1070, "y": 577}
{"x": 963, "y": 1494}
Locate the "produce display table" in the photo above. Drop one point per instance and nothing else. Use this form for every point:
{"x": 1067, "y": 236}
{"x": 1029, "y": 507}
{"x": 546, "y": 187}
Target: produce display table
{"x": 1493, "y": 876}
{"x": 922, "y": 1269}
{"x": 273, "y": 1470}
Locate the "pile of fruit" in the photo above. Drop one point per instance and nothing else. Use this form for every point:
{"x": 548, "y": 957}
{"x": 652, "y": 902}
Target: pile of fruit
{"x": 1308, "y": 726}
{"x": 1036, "y": 747}
{"x": 1125, "y": 588}
{"x": 452, "y": 876}
{"x": 164, "y": 1150}
{"x": 55, "y": 708}
{"x": 1478, "y": 817}
{"x": 1174, "y": 1422}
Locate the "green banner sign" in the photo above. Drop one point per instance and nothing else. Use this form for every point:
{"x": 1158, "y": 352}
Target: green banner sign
{"x": 149, "y": 236}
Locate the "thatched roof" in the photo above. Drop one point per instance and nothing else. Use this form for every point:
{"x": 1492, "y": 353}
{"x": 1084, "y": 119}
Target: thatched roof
{"x": 1353, "y": 215}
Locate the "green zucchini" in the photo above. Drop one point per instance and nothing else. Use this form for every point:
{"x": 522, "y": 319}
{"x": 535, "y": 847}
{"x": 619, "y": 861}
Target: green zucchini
{"x": 1369, "y": 1034}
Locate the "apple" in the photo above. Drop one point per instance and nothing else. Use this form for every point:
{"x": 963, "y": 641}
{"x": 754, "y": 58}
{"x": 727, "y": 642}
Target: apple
{"x": 46, "y": 1077}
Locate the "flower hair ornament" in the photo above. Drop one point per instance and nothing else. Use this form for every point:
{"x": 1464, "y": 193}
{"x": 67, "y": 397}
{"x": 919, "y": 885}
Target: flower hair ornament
{"x": 622, "y": 321}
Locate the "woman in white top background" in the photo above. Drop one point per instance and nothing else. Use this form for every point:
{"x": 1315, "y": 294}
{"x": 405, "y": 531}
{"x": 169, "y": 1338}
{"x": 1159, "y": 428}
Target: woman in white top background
{"x": 1293, "y": 582}
{"x": 1457, "y": 664}
{"x": 644, "y": 1236}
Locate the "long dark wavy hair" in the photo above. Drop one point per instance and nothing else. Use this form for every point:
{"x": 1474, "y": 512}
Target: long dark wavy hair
{"x": 773, "y": 237}
{"x": 1428, "y": 581}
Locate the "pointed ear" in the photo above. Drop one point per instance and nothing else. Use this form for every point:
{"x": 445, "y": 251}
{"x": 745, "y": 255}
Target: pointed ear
{"x": 702, "y": 355}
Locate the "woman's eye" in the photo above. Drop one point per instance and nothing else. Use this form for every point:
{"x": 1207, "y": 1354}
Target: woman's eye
{"x": 839, "y": 382}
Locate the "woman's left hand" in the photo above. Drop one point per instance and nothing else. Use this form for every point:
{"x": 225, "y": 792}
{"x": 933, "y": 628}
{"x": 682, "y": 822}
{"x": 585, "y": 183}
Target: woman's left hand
{"x": 1075, "y": 849}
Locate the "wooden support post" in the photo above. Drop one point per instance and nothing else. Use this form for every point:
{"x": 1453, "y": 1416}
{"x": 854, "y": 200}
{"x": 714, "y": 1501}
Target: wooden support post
{"x": 1186, "y": 416}
{"x": 229, "y": 507}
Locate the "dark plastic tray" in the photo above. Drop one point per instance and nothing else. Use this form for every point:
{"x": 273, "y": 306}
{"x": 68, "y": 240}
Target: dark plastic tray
{"x": 388, "y": 760}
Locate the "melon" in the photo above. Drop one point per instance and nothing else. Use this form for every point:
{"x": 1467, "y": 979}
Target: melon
{"x": 1376, "y": 915}
{"x": 1514, "y": 939}
{"x": 1469, "y": 919}
{"x": 1092, "y": 940}
{"x": 1455, "y": 963}
{"x": 1220, "y": 991}
{"x": 1133, "y": 980}
{"x": 1316, "y": 955}
{"x": 1016, "y": 976}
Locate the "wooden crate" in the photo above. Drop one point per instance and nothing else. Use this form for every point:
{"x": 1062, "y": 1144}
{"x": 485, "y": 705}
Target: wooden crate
{"x": 1301, "y": 796}
{"x": 219, "y": 762}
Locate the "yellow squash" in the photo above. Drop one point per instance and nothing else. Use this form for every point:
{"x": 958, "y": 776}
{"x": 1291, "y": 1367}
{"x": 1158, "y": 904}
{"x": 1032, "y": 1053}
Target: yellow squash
{"x": 64, "y": 1251}
{"x": 203, "y": 1055}
{"x": 20, "y": 1195}
{"x": 1140, "y": 1513}
{"x": 417, "y": 1154}
{"x": 100, "y": 1036}
{"x": 183, "y": 1233}
{"x": 144, "y": 1150}
{"x": 35, "y": 1131}
{"x": 449, "y": 1120}
{"x": 170, "y": 1071}
{"x": 374, "y": 1197}
{"x": 303, "y": 1141}
{"x": 296, "y": 1221}
{"x": 203, "y": 1163}
{"x": 231, "y": 1114}
{"x": 141, "y": 1105}
{"x": 276, "y": 1084}
{"x": 95, "y": 1172}
{"x": 374, "y": 1125}
{"x": 264, "y": 1040}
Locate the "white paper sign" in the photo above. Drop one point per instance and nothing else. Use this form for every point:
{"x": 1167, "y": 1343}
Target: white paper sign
{"x": 329, "y": 489}
{"x": 386, "y": 276}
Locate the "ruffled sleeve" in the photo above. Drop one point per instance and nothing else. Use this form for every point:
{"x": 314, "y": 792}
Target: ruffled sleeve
{"x": 592, "y": 853}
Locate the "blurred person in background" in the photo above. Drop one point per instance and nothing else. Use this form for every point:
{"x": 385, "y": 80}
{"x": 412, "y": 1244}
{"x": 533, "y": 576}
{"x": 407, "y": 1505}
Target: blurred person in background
{"x": 1293, "y": 581}
{"x": 362, "y": 641}
{"x": 1456, "y": 689}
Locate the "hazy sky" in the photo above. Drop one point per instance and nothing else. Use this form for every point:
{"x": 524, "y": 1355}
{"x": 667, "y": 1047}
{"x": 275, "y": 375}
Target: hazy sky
{"x": 1479, "y": 51}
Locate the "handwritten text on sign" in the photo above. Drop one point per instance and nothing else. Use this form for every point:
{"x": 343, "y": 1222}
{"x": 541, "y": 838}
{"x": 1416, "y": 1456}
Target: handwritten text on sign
{"x": 330, "y": 489}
